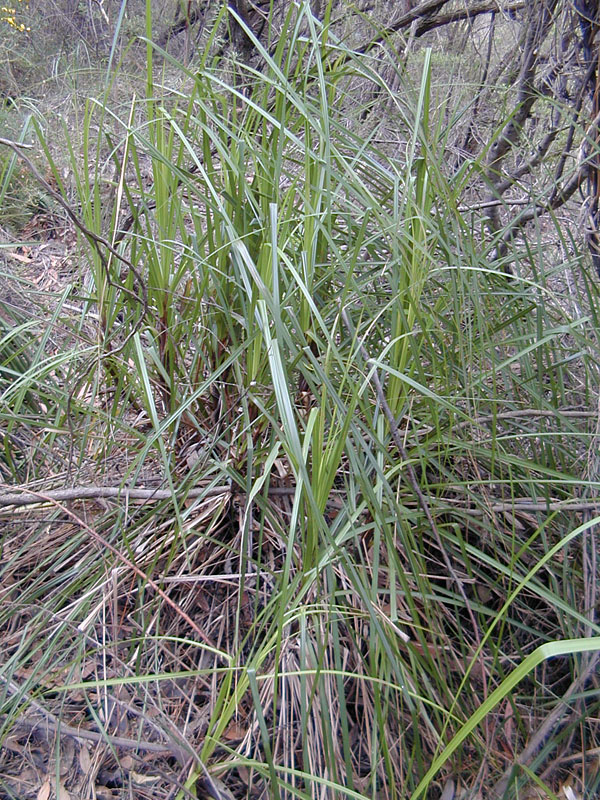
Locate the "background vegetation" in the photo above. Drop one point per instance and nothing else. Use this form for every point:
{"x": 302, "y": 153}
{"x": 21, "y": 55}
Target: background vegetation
{"x": 299, "y": 400}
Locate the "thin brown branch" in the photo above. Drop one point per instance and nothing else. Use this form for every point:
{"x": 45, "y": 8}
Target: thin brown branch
{"x": 180, "y": 24}
{"x": 53, "y": 725}
{"x": 526, "y": 413}
{"x": 116, "y": 492}
{"x": 529, "y": 165}
{"x": 538, "y": 23}
{"x": 98, "y": 242}
{"x": 526, "y": 94}
{"x": 555, "y": 201}
{"x": 575, "y": 114}
{"x": 504, "y": 201}
{"x": 470, "y": 12}
{"x": 593, "y": 752}
{"x": 130, "y": 564}
{"x": 405, "y": 21}
{"x": 25, "y": 497}
{"x": 520, "y": 504}
{"x": 557, "y": 197}
{"x": 484, "y": 76}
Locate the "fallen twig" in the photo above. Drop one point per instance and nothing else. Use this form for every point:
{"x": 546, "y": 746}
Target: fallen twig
{"x": 93, "y": 238}
{"x": 25, "y": 497}
{"x": 521, "y": 504}
{"x": 52, "y": 723}
{"x": 132, "y": 566}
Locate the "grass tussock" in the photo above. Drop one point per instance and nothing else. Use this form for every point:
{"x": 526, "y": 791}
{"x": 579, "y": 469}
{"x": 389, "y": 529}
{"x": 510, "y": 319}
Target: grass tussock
{"x": 299, "y": 344}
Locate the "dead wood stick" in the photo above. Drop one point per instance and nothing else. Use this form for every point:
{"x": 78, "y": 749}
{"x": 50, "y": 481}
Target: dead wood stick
{"x": 98, "y": 243}
{"x": 25, "y": 497}
{"x": 527, "y": 412}
{"x": 516, "y": 505}
{"x": 93, "y": 238}
{"x": 134, "y": 568}
{"x": 52, "y": 724}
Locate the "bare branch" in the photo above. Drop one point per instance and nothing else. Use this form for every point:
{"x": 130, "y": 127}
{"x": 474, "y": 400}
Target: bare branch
{"x": 41, "y": 497}
{"x": 557, "y": 199}
{"x": 520, "y": 504}
{"x": 405, "y": 21}
{"x": 25, "y": 497}
{"x": 540, "y": 18}
{"x": 470, "y": 12}
{"x": 93, "y": 238}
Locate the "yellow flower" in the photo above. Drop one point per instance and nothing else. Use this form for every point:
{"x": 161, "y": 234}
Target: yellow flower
{"x": 9, "y": 16}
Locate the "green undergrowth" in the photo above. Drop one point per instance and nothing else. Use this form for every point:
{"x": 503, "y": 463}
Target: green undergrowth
{"x": 269, "y": 268}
